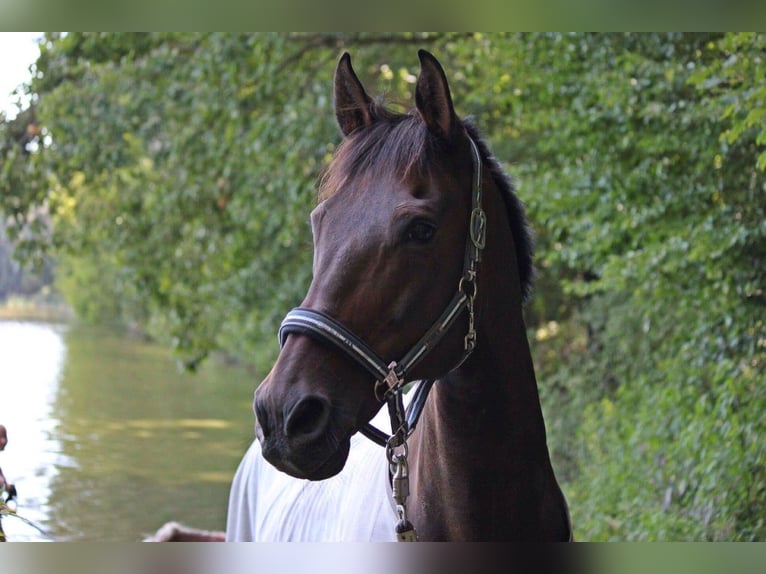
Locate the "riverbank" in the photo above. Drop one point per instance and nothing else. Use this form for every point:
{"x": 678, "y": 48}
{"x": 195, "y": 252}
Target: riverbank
{"x": 109, "y": 440}
{"x": 50, "y": 309}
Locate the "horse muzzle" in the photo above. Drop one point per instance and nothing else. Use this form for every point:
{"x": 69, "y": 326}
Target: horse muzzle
{"x": 305, "y": 442}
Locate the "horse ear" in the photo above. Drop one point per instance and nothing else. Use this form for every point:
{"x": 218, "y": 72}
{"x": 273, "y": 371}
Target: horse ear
{"x": 352, "y": 104}
{"x": 432, "y": 96}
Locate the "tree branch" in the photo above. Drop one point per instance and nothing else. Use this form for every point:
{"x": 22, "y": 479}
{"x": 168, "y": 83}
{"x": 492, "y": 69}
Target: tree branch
{"x": 339, "y": 41}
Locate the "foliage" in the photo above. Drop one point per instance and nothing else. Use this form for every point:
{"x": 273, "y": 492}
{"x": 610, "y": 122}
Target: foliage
{"x": 648, "y": 151}
{"x": 15, "y": 278}
{"x": 179, "y": 169}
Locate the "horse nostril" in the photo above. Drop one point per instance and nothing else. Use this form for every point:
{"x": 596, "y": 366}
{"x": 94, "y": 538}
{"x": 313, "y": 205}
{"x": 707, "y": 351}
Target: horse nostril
{"x": 308, "y": 419}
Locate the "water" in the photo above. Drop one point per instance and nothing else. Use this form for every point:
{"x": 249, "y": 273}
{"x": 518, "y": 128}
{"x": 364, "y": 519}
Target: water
{"x": 107, "y": 440}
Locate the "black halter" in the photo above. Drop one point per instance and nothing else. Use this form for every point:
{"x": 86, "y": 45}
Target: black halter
{"x": 390, "y": 378}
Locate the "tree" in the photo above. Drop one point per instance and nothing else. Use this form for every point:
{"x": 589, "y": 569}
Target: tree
{"x": 179, "y": 170}
{"x": 650, "y": 158}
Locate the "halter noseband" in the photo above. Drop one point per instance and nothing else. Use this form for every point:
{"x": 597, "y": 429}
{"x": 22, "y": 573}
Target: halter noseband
{"x": 392, "y": 377}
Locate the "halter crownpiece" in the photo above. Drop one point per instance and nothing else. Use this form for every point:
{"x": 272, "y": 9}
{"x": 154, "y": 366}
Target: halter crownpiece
{"x": 391, "y": 377}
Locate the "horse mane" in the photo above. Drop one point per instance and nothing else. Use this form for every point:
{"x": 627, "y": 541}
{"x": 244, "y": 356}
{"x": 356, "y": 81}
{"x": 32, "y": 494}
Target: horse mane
{"x": 403, "y": 139}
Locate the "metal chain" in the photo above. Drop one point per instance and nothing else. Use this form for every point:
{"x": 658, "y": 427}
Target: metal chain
{"x": 470, "y": 338}
{"x": 468, "y": 285}
{"x": 400, "y": 490}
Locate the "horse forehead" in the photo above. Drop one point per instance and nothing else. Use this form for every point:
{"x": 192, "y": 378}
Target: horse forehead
{"x": 363, "y": 205}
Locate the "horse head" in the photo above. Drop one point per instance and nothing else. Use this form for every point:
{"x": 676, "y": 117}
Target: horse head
{"x": 389, "y": 234}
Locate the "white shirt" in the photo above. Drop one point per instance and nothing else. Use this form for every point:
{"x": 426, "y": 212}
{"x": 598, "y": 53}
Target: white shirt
{"x": 266, "y": 505}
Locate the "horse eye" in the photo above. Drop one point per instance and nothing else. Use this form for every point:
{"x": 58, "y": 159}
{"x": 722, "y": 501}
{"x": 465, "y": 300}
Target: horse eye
{"x": 421, "y": 231}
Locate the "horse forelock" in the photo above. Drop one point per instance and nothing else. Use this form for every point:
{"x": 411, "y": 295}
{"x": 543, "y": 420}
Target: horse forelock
{"x": 404, "y": 141}
{"x": 394, "y": 140}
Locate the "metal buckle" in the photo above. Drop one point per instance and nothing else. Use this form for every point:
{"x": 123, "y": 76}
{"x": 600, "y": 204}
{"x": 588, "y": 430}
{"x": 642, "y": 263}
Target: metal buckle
{"x": 469, "y": 342}
{"x": 392, "y": 382}
{"x": 478, "y": 228}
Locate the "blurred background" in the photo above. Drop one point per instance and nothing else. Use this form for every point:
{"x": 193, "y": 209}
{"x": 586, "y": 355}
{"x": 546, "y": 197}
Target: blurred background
{"x": 154, "y": 200}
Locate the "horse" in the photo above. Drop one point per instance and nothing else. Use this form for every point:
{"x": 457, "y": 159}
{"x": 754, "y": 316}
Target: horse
{"x": 422, "y": 263}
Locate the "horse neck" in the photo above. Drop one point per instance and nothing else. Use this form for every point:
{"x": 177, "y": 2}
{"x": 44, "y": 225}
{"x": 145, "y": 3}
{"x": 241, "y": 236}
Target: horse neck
{"x": 481, "y": 469}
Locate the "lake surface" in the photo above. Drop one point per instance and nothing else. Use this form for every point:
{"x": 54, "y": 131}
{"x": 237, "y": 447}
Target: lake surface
{"x": 107, "y": 440}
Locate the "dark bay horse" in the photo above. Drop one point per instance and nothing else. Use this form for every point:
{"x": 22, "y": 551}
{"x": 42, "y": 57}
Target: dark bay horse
{"x": 422, "y": 261}
{"x": 390, "y": 237}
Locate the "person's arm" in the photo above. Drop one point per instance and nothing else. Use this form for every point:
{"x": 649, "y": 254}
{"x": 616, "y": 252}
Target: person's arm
{"x": 175, "y": 532}
{"x": 4, "y": 486}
